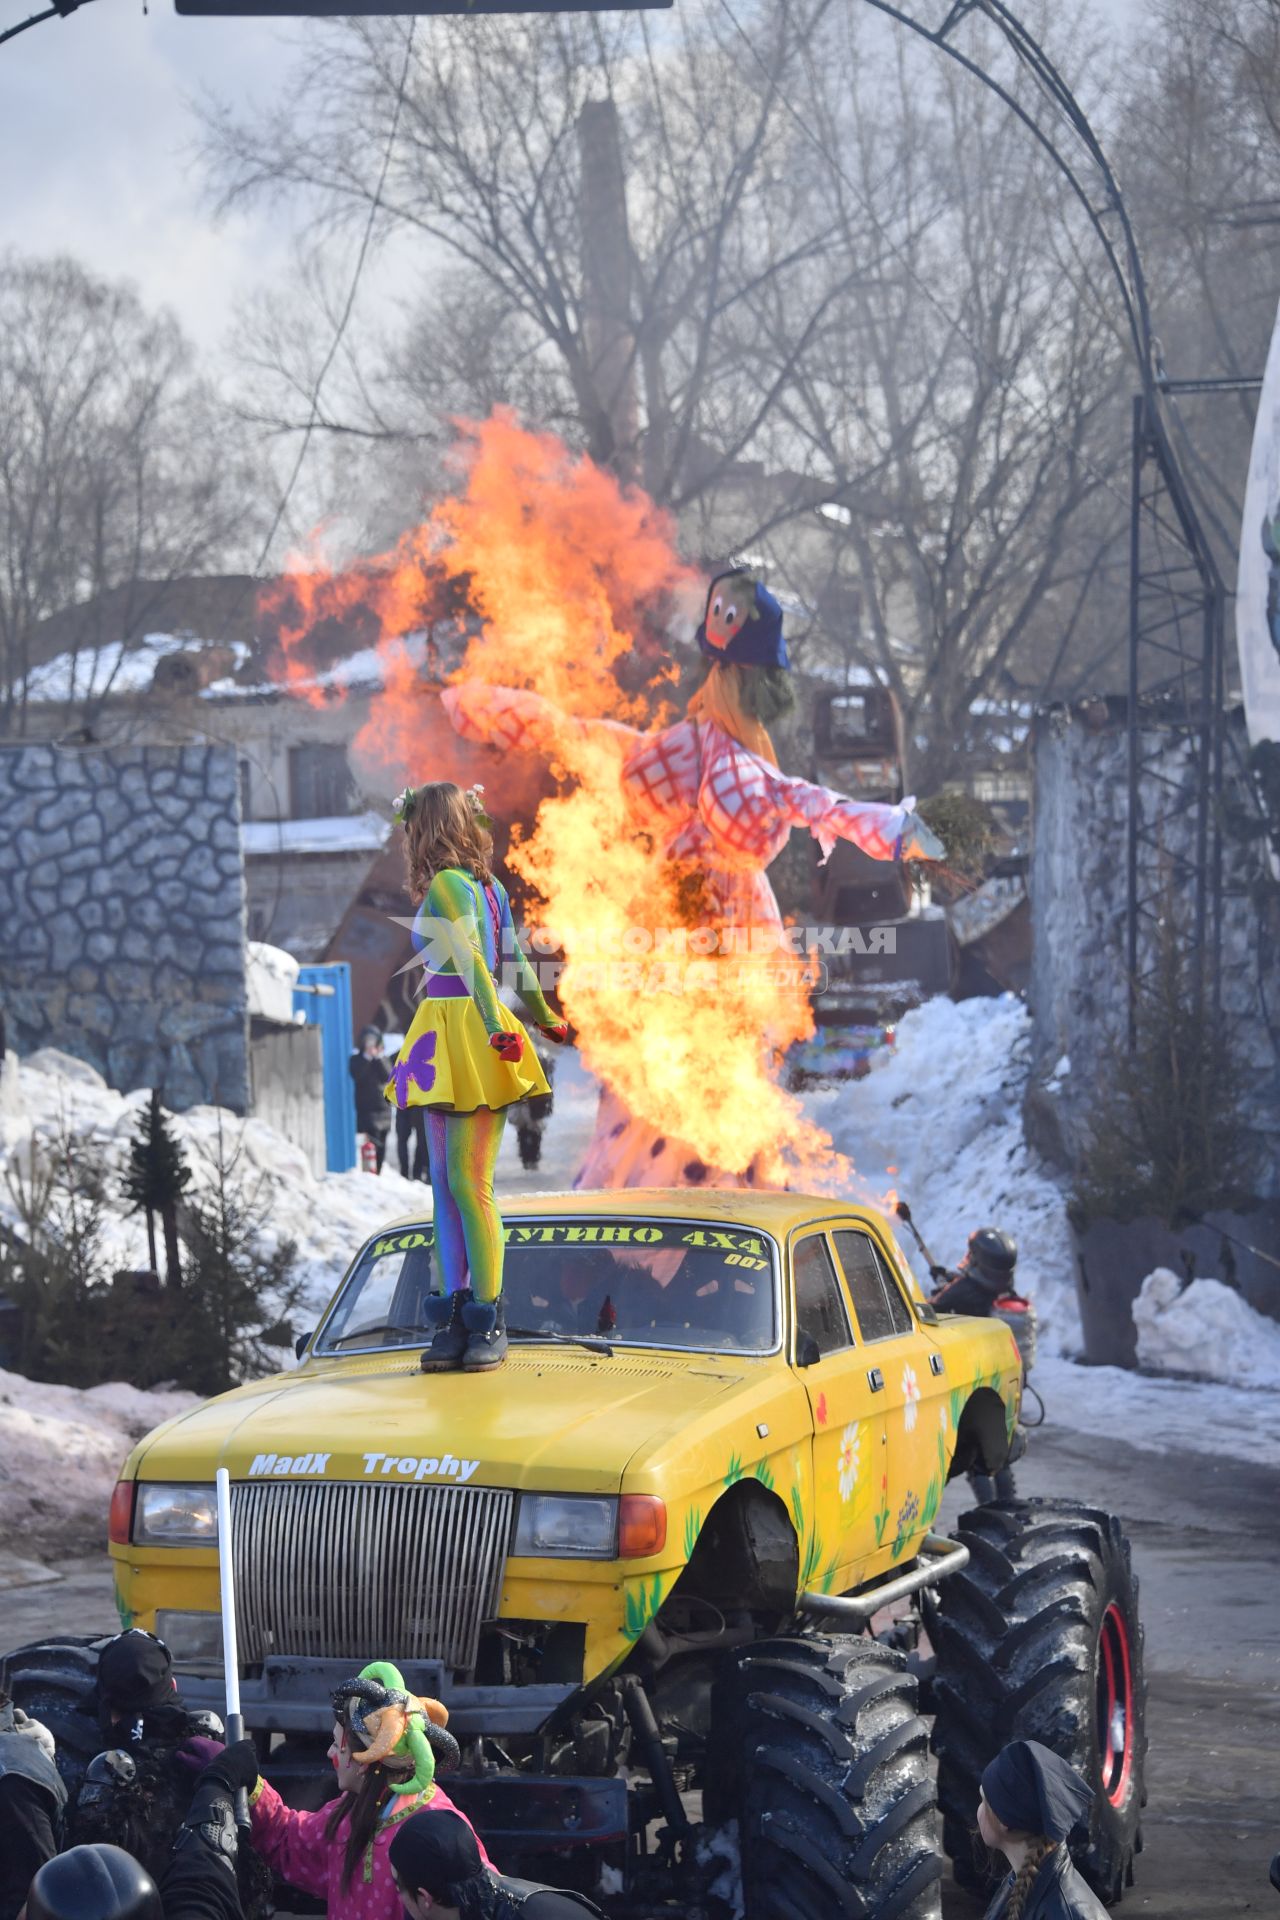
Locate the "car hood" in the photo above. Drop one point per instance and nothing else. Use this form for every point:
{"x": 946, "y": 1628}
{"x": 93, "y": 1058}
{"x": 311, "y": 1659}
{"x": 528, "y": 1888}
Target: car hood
{"x": 550, "y": 1418}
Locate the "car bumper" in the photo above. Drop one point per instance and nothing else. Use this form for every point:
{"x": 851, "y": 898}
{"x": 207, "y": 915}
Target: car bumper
{"x": 295, "y": 1696}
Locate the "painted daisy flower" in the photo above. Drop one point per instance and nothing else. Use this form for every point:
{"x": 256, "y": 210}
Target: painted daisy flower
{"x": 910, "y": 1397}
{"x": 847, "y": 1460}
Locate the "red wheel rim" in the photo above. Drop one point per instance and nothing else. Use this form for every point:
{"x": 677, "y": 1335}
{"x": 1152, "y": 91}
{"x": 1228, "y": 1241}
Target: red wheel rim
{"x": 1115, "y": 1706}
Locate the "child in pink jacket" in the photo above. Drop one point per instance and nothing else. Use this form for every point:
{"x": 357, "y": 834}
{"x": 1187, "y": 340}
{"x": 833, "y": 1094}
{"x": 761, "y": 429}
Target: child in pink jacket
{"x": 385, "y": 1745}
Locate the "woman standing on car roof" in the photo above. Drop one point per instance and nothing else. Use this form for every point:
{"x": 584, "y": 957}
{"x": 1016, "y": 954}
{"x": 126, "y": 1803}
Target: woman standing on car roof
{"x": 465, "y": 1058}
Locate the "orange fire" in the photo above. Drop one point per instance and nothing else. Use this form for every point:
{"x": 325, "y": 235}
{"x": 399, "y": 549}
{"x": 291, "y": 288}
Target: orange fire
{"x": 566, "y": 572}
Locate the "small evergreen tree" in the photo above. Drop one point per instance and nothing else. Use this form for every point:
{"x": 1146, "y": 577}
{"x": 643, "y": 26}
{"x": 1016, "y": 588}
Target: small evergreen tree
{"x": 156, "y": 1179}
{"x": 239, "y": 1291}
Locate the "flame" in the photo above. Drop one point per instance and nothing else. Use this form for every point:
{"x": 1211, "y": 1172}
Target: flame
{"x": 569, "y": 579}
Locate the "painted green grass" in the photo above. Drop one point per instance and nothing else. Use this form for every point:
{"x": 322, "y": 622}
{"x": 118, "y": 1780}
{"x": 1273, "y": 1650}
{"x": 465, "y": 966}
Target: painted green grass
{"x": 641, "y": 1605}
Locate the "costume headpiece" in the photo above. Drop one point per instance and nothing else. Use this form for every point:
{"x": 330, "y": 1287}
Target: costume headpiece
{"x": 396, "y": 1724}
{"x": 742, "y": 623}
{"x": 474, "y": 797}
{"x": 403, "y": 804}
{"x": 1031, "y": 1789}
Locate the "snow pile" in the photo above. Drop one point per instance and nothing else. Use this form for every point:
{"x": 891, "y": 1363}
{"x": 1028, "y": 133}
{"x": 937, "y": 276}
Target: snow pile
{"x": 1160, "y": 1415}
{"x": 1206, "y": 1330}
{"x": 327, "y": 1216}
{"x": 60, "y": 1452}
{"x": 270, "y": 976}
{"x": 942, "y": 1126}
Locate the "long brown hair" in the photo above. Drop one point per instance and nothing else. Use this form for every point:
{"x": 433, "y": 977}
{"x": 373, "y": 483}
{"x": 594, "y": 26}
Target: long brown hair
{"x": 364, "y": 1806}
{"x": 442, "y": 829}
{"x": 1038, "y": 1851}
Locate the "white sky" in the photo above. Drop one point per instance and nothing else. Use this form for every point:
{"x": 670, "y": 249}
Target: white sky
{"x": 96, "y": 148}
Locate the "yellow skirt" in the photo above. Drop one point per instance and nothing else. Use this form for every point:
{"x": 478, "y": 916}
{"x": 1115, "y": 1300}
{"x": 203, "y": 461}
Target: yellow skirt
{"x": 446, "y": 1061}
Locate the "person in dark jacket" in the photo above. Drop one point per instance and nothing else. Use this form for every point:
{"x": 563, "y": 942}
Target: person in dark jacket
{"x": 411, "y": 1130}
{"x": 103, "y": 1882}
{"x": 439, "y": 1874}
{"x": 1031, "y": 1803}
{"x": 136, "y": 1696}
{"x": 136, "y": 1791}
{"x": 370, "y": 1073}
{"x": 32, "y": 1801}
{"x": 985, "y": 1273}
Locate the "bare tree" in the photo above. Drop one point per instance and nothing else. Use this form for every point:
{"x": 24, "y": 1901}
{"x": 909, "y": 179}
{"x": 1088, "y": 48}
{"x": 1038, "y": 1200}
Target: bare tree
{"x": 497, "y": 122}
{"x": 1200, "y": 142}
{"x": 959, "y": 410}
{"x": 115, "y": 468}
{"x": 854, "y": 330}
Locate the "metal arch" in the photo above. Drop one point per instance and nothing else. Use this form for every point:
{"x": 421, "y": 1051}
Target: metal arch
{"x": 1176, "y": 593}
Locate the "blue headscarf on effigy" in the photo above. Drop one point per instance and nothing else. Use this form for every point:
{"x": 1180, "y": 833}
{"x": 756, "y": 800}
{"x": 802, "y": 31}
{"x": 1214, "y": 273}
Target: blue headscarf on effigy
{"x": 742, "y": 623}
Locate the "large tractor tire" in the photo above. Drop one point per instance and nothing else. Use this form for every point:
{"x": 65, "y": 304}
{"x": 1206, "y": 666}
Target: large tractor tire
{"x": 817, "y": 1751}
{"x": 48, "y": 1680}
{"x": 1039, "y": 1639}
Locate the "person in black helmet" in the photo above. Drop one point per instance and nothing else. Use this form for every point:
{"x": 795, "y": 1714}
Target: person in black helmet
{"x": 94, "y": 1883}
{"x": 439, "y": 1875}
{"x": 1031, "y": 1803}
{"x": 32, "y": 1799}
{"x": 985, "y": 1273}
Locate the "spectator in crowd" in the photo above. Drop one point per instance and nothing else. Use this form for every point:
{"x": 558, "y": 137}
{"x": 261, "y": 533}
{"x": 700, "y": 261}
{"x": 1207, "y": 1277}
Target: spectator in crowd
{"x": 339, "y": 1853}
{"x": 440, "y": 1875}
{"x": 411, "y": 1126}
{"x": 1031, "y": 1803}
{"x": 369, "y": 1071}
{"x": 32, "y": 1801}
{"x": 198, "y": 1881}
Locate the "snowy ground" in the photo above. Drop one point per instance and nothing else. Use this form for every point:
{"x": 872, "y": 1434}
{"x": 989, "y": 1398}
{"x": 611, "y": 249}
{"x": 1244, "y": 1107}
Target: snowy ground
{"x": 326, "y": 1217}
{"x": 940, "y": 1123}
{"x": 60, "y": 1452}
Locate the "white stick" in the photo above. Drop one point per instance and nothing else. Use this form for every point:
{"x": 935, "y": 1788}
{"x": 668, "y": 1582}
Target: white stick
{"x": 227, "y": 1588}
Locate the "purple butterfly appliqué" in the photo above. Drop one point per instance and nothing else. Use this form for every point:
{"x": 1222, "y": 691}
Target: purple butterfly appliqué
{"x": 416, "y": 1068}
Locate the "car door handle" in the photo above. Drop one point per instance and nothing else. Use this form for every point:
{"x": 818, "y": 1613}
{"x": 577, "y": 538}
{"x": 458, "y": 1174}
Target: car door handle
{"x": 875, "y": 1379}
{"x": 936, "y": 1363}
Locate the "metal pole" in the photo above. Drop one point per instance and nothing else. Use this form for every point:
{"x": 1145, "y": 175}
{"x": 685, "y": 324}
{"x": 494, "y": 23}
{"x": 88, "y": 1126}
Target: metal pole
{"x": 230, "y": 1650}
{"x": 1135, "y": 690}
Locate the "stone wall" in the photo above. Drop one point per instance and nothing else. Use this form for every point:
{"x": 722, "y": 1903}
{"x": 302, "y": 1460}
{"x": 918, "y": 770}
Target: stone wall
{"x": 122, "y": 915}
{"x": 1079, "y": 896}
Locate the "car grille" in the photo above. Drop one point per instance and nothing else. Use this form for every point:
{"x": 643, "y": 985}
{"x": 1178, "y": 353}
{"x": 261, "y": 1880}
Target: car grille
{"x": 367, "y": 1572}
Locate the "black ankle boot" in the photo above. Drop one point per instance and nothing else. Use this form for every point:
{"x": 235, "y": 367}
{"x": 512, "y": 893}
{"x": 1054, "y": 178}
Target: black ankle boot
{"x": 443, "y": 1312}
{"x": 486, "y": 1325}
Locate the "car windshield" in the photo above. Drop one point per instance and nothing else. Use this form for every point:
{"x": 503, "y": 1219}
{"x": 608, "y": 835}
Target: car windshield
{"x": 647, "y": 1283}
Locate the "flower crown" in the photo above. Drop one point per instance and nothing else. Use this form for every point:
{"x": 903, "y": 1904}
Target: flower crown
{"x": 403, "y": 804}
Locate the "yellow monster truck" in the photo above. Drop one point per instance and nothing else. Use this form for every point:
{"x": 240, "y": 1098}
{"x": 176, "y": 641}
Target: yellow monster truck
{"x": 642, "y": 1562}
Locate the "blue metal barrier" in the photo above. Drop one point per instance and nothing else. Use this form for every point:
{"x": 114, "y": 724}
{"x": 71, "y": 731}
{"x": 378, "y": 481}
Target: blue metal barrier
{"x": 323, "y": 995}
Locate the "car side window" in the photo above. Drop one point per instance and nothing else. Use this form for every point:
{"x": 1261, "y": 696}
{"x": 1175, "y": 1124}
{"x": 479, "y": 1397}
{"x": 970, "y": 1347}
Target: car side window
{"x": 882, "y": 1312}
{"x": 820, "y": 1308}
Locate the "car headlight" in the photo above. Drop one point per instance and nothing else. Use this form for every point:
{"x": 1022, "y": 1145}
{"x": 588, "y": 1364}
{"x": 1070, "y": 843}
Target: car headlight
{"x": 194, "y": 1639}
{"x": 168, "y": 1516}
{"x": 567, "y": 1526}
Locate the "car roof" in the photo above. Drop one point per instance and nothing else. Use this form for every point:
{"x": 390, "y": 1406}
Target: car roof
{"x": 772, "y": 1212}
